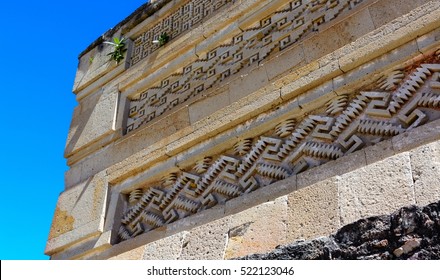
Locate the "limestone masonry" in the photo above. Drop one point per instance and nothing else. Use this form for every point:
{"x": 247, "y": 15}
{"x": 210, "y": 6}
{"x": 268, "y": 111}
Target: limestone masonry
{"x": 234, "y": 127}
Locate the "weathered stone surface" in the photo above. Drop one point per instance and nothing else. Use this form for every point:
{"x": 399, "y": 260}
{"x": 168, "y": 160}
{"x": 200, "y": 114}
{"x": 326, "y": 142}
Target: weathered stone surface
{"x": 79, "y": 213}
{"x": 258, "y": 229}
{"x": 168, "y": 248}
{"x": 312, "y": 206}
{"x": 425, "y": 165}
{"x": 206, "y": 242}
{"x": 380, "y": 187}
{"x": 410, "y": 233}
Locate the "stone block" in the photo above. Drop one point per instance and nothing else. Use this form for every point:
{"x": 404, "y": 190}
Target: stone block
{"x": 168, "y": 248}
{"x": 285, "y": 62}
{"x": 332, "y": 168}
{"x": 376, "y": 189}
{"x": 383, "y": 12}
{"x": 135, "y": 254}
{"x": 313, "y": 211}
{"x": 425, "y": 165}
{"x": 429, "y": 41}
{"x": 338, "y": 35}
{"x": 379, "y": 151}
{"x": 198, "y": 219}
{"x": 159, "y": 129}
{"x": 258, "y": 229}
{"x": 206, "y": 106}
{"x": 206, "y": 242}
{"x": 79, "y": 209}
{"x": 261, "y": 195}
{"x": 92, "y": 120}
{"x": 248, "y": 83}
{"x": 392, "y": 35}
{"x": 372, "y": 70}
{"x": 93, "y": 65}
{"x": 314, "y": 75}
{"x": 416, "y": 137}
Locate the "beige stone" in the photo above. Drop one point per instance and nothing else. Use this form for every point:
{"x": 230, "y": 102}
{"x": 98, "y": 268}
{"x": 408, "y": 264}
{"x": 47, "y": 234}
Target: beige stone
{"x": 258, "y": 229}
{"x": 260, "y": 196}
{"x": 135, "y": 254}
{"x": 206, "y": 242}
{"x": 382, "y": 12}
{"x": 313, "y": 211}
{"x": 376, "y": 189}
{"x": 338, "y": 35}
{"x": 379, "y": 151}
{"x": 93, "y": 120}
{"x": 425, "y": 166}
{"x": 207, "y": 106}
{"x": 285, "y": 62}
{"x": 168, "y": 248}
{"x": 332, "y": 168}
{"x": 420, "y": 21}
{"x": 248, "y": 83}
{"x": 79, "y": 210}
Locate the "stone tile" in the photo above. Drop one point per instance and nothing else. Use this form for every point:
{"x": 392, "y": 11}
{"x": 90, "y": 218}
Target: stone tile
{"x": 206, "y": 242}
{"x": 425, "y": 164}
{"x": 258, "y": 229}
{"x": 313, "y": 211}
{"x": 376, "y": 189}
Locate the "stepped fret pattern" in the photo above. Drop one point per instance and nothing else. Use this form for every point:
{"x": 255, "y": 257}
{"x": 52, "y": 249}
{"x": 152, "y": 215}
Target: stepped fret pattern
{"x": 407, "y": 99}
{"x": 276, "y": 32}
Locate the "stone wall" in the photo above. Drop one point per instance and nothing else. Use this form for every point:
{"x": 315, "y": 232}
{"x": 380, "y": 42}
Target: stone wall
{"x": 410, "y": 233}
{"x": 256, "y": 124}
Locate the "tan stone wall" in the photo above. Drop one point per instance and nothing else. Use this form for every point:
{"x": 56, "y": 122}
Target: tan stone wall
{"x": 353, "y": 51}
{"x": 313, "y": 211}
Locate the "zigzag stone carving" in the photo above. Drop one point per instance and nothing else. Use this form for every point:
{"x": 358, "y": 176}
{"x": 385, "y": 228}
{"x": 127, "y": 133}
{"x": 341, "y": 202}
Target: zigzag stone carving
{"x": 393, "y": 105}
{"x": 276, "y": 32}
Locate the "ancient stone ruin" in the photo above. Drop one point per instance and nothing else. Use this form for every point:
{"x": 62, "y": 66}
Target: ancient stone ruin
{"x": 222, "y": 129}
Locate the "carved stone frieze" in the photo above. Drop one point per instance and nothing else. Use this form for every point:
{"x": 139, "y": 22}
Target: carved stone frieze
{"x": 185, "y": 18}
{"x": 274, "y": 33}
{"x": 402, "y": 100}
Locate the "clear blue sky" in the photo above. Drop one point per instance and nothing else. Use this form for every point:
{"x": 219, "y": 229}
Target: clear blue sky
{"x": 39, "y": 50}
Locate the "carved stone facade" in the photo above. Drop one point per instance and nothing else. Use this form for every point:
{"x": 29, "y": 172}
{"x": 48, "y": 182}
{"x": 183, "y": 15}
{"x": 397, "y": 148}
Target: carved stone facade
{"x": 284, "y": 27}
{"x": 258, "y": 123}
{"x": 398, "y": 102}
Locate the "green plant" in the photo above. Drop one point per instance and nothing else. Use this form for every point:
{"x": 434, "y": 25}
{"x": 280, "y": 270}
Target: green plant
{"x": 163, "y": 39}
{"x": 118, "y": 49}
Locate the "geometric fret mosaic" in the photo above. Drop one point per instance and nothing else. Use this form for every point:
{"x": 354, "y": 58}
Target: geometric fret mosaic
{"x": 273, "y": 33}
{"x": 398, "y": 102}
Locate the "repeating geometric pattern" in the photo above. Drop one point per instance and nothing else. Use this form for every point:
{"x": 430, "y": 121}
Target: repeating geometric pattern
{"x": 409, "y": 99}
{"x": 276, "y": 32}
{"x": 190, "y": 14}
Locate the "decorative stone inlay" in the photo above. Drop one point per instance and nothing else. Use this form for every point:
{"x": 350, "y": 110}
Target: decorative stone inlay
{"x": 274, "y": 33}
{"x": 404, "y": 99}
{"x": 186, "y": 17}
